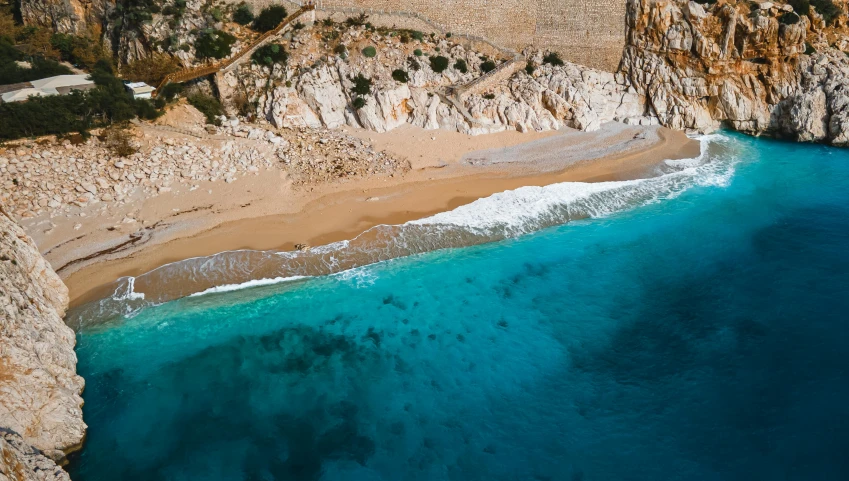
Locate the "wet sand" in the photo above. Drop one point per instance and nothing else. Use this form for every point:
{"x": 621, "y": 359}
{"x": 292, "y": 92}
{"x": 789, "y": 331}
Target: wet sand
{"x": 265, "y": 212}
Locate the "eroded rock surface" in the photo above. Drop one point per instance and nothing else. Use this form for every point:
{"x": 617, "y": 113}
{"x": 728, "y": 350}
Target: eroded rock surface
{"x": 40, "y": 403}
{"x": 741, "y": 64}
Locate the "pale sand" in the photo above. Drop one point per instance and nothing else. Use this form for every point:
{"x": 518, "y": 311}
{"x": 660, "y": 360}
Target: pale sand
{"x": 265, "y": 212}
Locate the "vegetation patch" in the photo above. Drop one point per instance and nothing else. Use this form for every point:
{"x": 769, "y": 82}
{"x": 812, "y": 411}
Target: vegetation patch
{"x": 270, "y": 55}
{"x": 370, "y": 52}
{"x": 553, "y": 58}
{"x": 78, "y": 111}
{"x": 488, "y": 66}
{"x": 400, "y": 76}
{"x": 461, "y": 66}
{"x": 418, "y": 52}
{"x": 151, "y": 69}
{"x": 244, "y": 14}
{"x": 439, "y": 63}
{"x": 208, "y": 105}
{"x": 530, "y": 68}
{"x": 214, "y": 44}
{"x": 362, "y": 85}
{"x": 359, "y": 103}
{"x": 269, "y": 18}
{"x": 828, "y": 9}
{"x": 40, "y": 67}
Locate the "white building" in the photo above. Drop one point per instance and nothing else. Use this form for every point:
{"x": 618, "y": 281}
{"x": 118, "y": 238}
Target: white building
{"x": 58, "y": 85}
{"x": 140, "y": 90}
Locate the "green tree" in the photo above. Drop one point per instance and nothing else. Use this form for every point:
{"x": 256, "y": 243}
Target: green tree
{"x": 400, "y": 76}
{"x": 488, "y": 66}
{"x": 214, "y": 44}
{"x": 243, "y": 14}
{"x": 461, "y": 66}
{"x": 270, "y": 54}
{"x": 439, "y": 64}
{"x": 362, "y": 85}
{"x": 269, "y": 18}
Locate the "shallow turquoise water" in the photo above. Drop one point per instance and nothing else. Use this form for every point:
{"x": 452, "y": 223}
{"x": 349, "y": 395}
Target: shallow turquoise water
{"x": 700, "y": 335}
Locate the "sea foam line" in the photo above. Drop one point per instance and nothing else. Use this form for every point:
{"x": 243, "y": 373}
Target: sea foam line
{"x": 247, "y": 285}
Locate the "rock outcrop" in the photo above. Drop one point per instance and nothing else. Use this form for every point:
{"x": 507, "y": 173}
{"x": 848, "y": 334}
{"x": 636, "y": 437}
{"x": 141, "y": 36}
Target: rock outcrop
{"x": 759, "y": 68}
{"x": 40, "y": 403}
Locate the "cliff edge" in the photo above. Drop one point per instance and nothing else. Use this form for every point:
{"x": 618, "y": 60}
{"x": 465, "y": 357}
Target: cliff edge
{"x": 759, "y": 68}
{"x": 41, "y": 417}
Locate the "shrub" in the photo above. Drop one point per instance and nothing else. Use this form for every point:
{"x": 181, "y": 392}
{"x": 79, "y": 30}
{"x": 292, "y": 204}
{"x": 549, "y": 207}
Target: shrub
{"x": 489, "y": 96}
{"x": 169, "y": 92}
{"x": 553, "y": 58}
{"x": 706, "y": 2}
{"x": 362, "y": 85}
{"x": 414, "y": 64}
{"x": 217, "y": 14}
{"x": 827, "y": 9}
{"x": 270, "y": 54}
{"x": 243, "y": 14}
{"x": 11, "y": 73}
{"x": 78, "y": 50}
{"x": 341, "y": 51}
{"x": 214, "y": 44}
{"x": 417, "y": 35}
{"x": 809, "y": 49}
{"x": 530, "y": 68}
{"x": 461, "y": 66}
{"x": 418, "y": 52}
{"x": 298, "y": 26}
{"x": 269, "y": 18}
{"x": 370, "y": 52}
{"x": 208, "y": 105}
{"x": 151, "y": 69}
{"x": 802, "y": 7}
{"x": 789, "y": 18}
{"x": 118, "y": 140}
{"x": 400, "y": 76}
{"x": 356, "y": 21}
{"x": 448, "y": 35}
{"x": 439, "y": 64}
{"x": 488, "y": 66}
{"x": 359, "y": 103}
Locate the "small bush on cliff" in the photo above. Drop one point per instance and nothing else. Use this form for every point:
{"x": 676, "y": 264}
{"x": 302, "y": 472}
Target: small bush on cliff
{"x": 341, "y": 51}
{"x": 151, "y": 69}
{"x": 530, "y": 68}
{"x": 269, "y": 18}
{"x": 359, "y": 103}
{"x": 400, "y": 76}
{"x": 208, "y": 105}
{"x": 789, "y": 18}
{"x": 706, "y": 2}
{"x": 214, "y": 44}
{"x": 270, "y": 54}
{"x": 243, "y": 14}
{"x": 488, "y": 66}
{"x": 418, "y": 52}
{"x": 461, "y": 66}
{"x": 362, "y": 85}
{"x": 439, "y": 63}
{"x": 553, "y": 58}
{"x": 827, "y": 9}
{"x": 118, "y": 140}
{"x": 417, "y": 35}
{"x": 802, "y": 7}
{"x": 370, "y": 52}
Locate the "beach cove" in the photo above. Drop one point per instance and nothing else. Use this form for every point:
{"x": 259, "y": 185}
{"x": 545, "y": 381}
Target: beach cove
{"x": 266, "y": 212}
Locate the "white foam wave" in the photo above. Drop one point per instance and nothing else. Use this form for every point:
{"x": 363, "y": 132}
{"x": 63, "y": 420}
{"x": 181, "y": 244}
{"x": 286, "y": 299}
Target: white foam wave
{"x": 247, "y": 285}
{"x": 527, "y": 208}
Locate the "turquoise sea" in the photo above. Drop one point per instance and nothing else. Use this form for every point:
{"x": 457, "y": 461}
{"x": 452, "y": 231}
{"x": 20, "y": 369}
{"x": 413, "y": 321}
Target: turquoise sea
{"x": 692, "y": 326}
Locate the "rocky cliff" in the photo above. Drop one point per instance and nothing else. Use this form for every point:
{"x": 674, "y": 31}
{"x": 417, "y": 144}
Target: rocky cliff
{"x": 40, "y": 403}
{"x": 760, "y": 68}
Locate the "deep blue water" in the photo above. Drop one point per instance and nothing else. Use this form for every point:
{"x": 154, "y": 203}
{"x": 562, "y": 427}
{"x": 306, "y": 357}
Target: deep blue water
{"x": 703, "y": 336}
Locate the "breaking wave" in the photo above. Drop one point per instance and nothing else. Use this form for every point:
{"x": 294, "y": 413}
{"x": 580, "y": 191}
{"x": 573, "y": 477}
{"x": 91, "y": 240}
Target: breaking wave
{"x": 497, "y": 217}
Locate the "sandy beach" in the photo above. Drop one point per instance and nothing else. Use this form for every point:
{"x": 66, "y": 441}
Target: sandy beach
{"x": 265, "y": 211}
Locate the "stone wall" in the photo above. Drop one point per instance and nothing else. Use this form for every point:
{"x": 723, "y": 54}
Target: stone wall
{"x": 588, "y": 32}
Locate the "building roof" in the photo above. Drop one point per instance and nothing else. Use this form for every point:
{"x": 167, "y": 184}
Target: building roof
{"x": 23, "y": 94}
{"x": 62, "y": 81}
{"x": 12, "y": 87}
{"x": 140, "y": 87}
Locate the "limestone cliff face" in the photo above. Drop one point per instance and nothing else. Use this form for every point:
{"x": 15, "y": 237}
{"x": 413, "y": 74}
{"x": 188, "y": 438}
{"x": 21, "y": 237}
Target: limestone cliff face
{"x": 66, "y": 16}
{"x": 741, "y": 64}
{"x": 40, "y": 403}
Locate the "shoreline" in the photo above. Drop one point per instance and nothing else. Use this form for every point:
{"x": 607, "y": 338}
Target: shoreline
{"x": 270, "y": 215}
